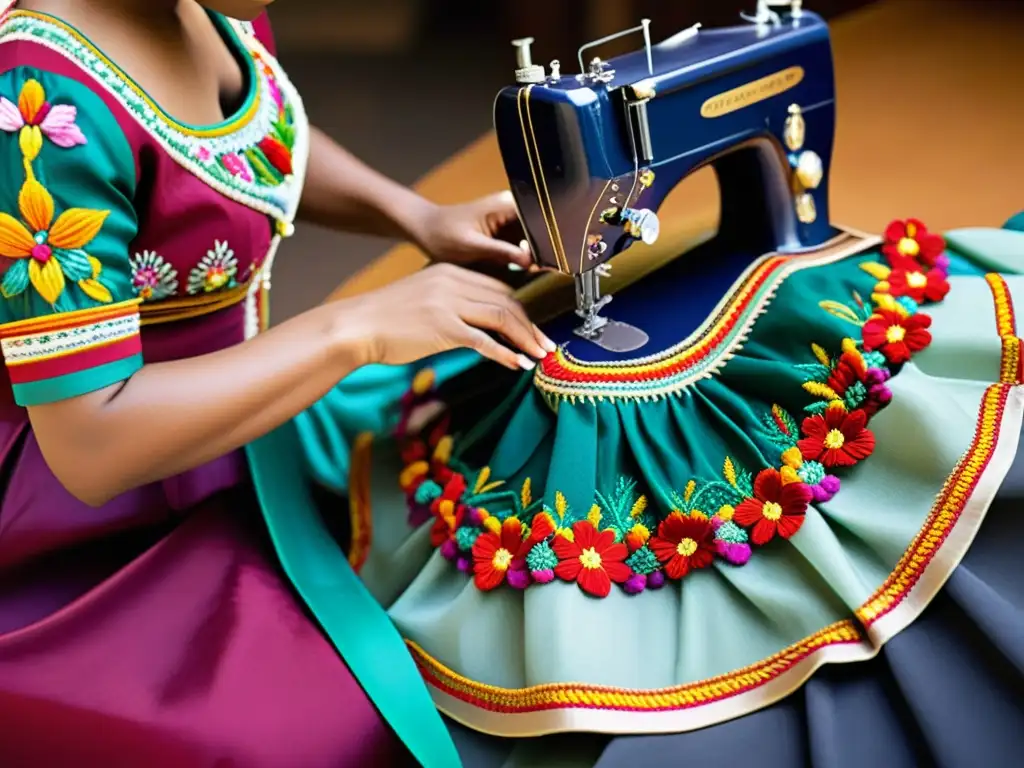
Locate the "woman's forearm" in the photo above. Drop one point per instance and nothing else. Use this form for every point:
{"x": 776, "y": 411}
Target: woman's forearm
{"x": 343, "y": 193}
{"x": 174, "y": 416}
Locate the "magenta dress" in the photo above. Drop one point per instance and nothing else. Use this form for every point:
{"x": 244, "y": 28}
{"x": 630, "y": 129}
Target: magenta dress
{"x": 158, "y": 629}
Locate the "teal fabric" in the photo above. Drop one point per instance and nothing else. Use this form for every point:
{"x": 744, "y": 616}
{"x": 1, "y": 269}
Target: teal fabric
{"x": 354, "y": 622}
{"x": 78, "y": 383}
{"x": 98, "y": 175}
{"x": 607, "y": 453}
{"x": 1015, "y": 222}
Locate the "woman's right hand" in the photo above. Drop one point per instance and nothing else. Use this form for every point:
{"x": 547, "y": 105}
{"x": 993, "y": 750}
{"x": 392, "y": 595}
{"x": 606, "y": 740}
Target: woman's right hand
{"x": 440, "y": 308}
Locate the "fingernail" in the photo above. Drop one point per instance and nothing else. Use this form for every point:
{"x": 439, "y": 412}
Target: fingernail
{"x": 548, "y": 344}
{"x": 525, "y": 363}
{"x": 524, "y": 245}
{"x": 513, "y": 267}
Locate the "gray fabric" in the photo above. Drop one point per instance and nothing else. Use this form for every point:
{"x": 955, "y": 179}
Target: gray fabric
{"x": 946, "y": 692}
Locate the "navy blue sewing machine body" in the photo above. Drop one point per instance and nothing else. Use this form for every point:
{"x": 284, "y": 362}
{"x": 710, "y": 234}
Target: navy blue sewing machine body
{"x": 590, "y": 157}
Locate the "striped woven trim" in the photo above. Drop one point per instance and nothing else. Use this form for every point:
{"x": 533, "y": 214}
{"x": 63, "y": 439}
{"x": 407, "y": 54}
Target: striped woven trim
{"x": 702, "y": 354}
{"x": 917, "y": 577}
{"x": 69, "y": 342}
{"x": 1010, "y": 365}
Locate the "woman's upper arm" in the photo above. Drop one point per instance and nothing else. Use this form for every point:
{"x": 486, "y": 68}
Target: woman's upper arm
{"x": 69, "y": 318}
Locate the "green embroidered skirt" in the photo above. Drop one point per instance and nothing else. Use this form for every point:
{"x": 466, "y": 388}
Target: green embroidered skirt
{"x": 658, "y": 544}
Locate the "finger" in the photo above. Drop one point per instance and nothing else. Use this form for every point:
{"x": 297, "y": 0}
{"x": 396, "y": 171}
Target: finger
{"x": 506, "y": 317}
{"x": 503, "y": 299}
{"x": 500, "y": 251}
{"x": 499, "y": 353}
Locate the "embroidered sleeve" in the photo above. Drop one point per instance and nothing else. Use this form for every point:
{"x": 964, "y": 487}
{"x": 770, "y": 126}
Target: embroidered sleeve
{"x": 69, "y": 318}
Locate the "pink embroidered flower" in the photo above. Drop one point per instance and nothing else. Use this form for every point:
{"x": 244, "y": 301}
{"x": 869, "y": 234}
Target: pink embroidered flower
{"x": 35, "y": 117}
{"x": 203, "y": 154}
{"x": 236, "y": 166}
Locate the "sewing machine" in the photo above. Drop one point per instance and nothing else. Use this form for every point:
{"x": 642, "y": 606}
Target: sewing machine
{"x": 590, "y": 156}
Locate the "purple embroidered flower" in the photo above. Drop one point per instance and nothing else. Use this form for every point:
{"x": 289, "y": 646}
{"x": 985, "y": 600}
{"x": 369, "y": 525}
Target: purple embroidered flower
{"x": 737, "y": 554}
{"x": 823, "y": 486}
{"x": 656, "y": 580}
{"x": 543, "y": 577}
{"x": 464, "y": 564}
{"x": 473, "y": 517}
{"x": 236, "y": 166}
{"x": 152, "y": 277}
{"x": 449, "y": 550}
{"x": 635, "y": 584}
{"x": 518, "y": 578}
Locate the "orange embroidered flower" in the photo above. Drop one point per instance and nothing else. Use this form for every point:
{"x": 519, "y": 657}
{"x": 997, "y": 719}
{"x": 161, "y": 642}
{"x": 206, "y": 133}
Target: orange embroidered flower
{"x": 47, "y": 251}
{"x": 593, "y": 559}
{"x": 837, "y": 438}
{"x": 277, "y": 153}
{"x": 911, "y": 239}
{"x": 895, "y": 335}
{"x": 494, "y": 555}
{"x": 907, "y": 278}
{"x": 34, "y": 117}
{"x": 778, "y": 507}
{"x": 682, "y": 543}
{"x": 447, "y": 510}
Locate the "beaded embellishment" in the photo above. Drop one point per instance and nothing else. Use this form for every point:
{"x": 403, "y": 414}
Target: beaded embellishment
{"x": 505, "y": 536}
{"x": 153, "y": 278}
{"x": 215, "y": 271}
{"x": 257, "y": 159}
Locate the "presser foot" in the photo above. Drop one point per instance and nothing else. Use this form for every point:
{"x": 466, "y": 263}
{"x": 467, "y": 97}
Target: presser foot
{"x": 607, "y": 334}
{"x": 613, "y": 335}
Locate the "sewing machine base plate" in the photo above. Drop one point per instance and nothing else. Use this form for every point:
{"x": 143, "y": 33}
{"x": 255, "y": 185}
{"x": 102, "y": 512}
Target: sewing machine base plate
{"x": 616, "y": 337}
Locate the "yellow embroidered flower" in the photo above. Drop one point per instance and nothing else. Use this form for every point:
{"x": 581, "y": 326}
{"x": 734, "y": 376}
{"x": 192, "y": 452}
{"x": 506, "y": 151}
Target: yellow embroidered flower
{"x": 48, "y": 251}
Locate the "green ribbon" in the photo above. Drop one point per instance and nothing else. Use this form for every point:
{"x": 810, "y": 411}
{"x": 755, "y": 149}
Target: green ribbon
{"x": 353, "y": 620}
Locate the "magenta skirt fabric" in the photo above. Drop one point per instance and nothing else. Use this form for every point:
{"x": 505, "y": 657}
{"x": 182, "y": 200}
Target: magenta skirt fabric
{"x": 157, "y": 631}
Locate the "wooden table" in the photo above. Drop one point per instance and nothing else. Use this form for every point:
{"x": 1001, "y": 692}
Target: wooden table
{"x": 931, "y": 122}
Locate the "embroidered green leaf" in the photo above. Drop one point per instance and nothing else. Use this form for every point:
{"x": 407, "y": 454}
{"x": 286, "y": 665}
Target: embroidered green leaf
{"x": 814, "y": 371}
{"x": 817, "y": 407}
{"x": 285, "y": 133}
{"x": 622, "y": 509}
{"x": 263, "y": 169}
{"x": 779, "y": 428}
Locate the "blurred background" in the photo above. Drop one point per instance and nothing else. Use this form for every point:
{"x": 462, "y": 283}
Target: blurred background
{"x": 405, "y": 84}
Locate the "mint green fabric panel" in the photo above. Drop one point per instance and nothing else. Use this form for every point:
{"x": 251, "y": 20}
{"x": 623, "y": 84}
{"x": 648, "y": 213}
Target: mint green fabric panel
{"x": 75, "y": 384}
{"x": 98, "y": 175}
{"x": 995, "y": 250}
{"x": 352, "y": 619}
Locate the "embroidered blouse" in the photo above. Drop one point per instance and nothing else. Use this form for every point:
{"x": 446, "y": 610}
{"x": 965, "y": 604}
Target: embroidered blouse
{"x": 126, "y": 235}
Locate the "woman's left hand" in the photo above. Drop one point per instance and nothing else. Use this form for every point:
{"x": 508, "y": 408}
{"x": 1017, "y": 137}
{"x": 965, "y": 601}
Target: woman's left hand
{"x": 468, "y": 233}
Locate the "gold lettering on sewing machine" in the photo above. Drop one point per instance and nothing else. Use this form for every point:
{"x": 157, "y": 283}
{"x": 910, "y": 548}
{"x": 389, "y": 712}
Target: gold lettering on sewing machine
{"x": 751, "y": 93}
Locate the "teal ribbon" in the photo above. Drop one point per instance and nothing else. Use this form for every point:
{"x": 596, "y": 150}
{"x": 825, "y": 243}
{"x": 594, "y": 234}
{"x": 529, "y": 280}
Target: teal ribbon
{"x": 352, "y": 619}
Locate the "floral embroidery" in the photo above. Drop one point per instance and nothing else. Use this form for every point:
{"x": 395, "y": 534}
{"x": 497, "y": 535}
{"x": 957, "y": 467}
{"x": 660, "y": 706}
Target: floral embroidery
{"x": 152, "y": 277}
{"x": 911, "y": 239}
{"x": 48, "y": 252}
{"x": 619, "y": 539}
{"x": 34, "y": 117}
{"x": 273, "y": 125}
{"x": 216, "y": 270}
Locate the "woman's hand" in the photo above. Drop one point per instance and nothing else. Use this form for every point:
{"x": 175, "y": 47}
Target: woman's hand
{"x": 469, "y": 233}
{"x": 441, "y": 308}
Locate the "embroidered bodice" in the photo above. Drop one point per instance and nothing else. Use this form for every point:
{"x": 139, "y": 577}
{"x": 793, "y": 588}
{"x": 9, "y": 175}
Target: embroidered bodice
{"x": 115, "y": 217}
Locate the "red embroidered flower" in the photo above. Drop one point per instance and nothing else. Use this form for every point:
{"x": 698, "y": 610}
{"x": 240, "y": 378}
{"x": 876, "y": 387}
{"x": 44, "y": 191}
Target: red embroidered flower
{"x": 849, "y": 371}
{"x": 896, "y": 336}
{"x": 494, "y": 556}
{"x": 908, "y": 278}
{"x": 593, "y": 559}
{"x": 277, "y": 153}
{"x": 912, "y": 239}
{"x": 682, "y": 543}
{"x": 778, "y": 507}
{"x": 447, "y": 510}
{"x": 836, "y": 438}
